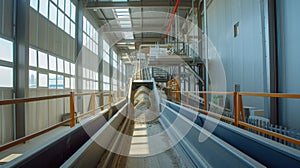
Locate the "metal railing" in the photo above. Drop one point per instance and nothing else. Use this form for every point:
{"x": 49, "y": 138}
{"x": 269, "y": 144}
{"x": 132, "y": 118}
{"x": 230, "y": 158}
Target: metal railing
{"x": 71, "y": 120}
{"x": 239, "y": 119}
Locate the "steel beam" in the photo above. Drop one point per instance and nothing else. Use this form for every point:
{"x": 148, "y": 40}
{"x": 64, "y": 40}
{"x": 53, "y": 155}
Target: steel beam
{"x": 144, "y": 39}
{"x": 21, "y": 15}
{"x": 78, "y": 57}
{"x": 135, "y": 4}
{"x": 158, "y": 29}
{"x": 273, "y": 61}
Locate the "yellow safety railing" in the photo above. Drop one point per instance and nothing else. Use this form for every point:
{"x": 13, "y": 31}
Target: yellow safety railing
{"x": 238, "y": 110}
{"x": 71, "y": 120}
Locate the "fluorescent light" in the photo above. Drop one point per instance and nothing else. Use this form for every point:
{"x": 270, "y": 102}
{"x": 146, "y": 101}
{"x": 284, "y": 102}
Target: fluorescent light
{"x": 125, "y": 22}
{"x": 131, "y": 47}
{"x": 121, "y": 10}
{"x": 122, "y": 14}
{"x": 119, "y": 0}
{"x": 126, "y": 26}
{"x": 123, "y": 17}
{"x": 128, "y": 35}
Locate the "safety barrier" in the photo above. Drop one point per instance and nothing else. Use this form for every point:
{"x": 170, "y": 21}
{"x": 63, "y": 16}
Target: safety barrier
{"x": 71, "y": 120}
{"x": 239, "y": 119}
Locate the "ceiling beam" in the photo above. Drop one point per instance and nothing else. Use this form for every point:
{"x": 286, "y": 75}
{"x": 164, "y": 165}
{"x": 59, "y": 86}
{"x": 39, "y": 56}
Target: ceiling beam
{"x": 145, "y": 40}
{"x": 153, "y": 29}
{"x": 135, "y": 4}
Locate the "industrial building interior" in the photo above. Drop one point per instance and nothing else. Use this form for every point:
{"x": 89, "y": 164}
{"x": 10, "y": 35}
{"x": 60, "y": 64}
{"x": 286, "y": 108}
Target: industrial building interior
{"x": 149, "y": 83}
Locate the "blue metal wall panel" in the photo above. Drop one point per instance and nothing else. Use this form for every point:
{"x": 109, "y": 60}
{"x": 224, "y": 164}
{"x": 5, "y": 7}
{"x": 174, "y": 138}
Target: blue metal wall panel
{"x": 289, "y": 79}
{"x": 242, "y": 56}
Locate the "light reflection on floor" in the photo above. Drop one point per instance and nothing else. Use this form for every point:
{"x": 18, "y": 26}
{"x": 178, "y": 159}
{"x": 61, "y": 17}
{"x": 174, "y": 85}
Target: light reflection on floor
{"x": 139, "y": 143}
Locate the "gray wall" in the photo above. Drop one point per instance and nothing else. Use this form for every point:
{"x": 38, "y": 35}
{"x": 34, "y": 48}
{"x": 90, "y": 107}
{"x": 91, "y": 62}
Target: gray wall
{"x": 289, "y": 60}
{"x": 44, "y": 35}
{"x": 6, "y": 15}
{"x": 6, "y": 112}
{"x": 242, "y": 56}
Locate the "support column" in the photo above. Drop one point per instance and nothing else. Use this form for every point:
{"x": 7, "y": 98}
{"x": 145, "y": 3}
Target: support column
{"x": 273, "y": 61}
{"x": 21, "y": 15}
{"x": 78, "y": 56}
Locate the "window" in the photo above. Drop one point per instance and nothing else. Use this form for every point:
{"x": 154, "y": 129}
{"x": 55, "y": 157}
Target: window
{"x": 67, "y": 67}
{"x": 73, "y": 30}
{"x": 61, "y": 12}
{"x": 60, "y": 82}
{"x": 53, "y": 13}
{"x": 61, "y": 4}
{"x": 55, "y": 1}
{"x": 106, "y": 87}
{"x": 73, "y": 12}
{"x": 43, "y": 8}
{"x": 32, "y": 57}
{"x": 60, "y": 20}
{"x": 67, "y": 82}
{"x": 52, "y": 63}
{"x": 89, "y": 36}
{"x": 106, "y": 79}
{"x": 43, "y": 80}
{"x": 73, "y": 71}
{"x": 32, "y": 79}
{"x": 68, "y": 8}
{"x": 52, "y": 81}
{"x": 6, "y": 74}
{"x": 106, "y": 57}
{"x": 72, "y": 83}
{"x": 60, "y": 65}
{"x": 43, "y": 60}
{"x": 105, "y": 46}
{"x": 34, "y": 4}
{"x": 67, "y": 25}
{"x": 6, "y": 48}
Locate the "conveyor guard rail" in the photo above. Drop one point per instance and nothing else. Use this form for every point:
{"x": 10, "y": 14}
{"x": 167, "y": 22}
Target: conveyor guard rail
{"x": 239, "y": 114}
{"x": 112, "y": 99}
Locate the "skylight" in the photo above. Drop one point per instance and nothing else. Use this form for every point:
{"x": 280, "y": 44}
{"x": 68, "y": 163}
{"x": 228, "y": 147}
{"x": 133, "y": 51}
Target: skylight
{"x": 121, "y": 10}
{"x": 128, "y": 35}
{"x": 119, "y": 0}
{"x": 131, "y": 47}
{"x": 124, "y": 22}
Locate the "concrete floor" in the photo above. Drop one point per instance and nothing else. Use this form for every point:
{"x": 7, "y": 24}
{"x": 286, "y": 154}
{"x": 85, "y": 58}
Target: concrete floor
{"x": 140, "y": 148}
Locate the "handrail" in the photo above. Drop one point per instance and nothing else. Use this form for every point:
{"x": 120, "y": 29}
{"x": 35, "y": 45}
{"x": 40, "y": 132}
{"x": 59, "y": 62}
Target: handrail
{"x": 72, "y": 118}
{"x": 273, "y": 95}
{"x": 207, "y": 92}
{"x": 93, "y": 93}
{"x": 209, "y": 113}
{"x": 31, "y": 136}
{"x": 31, "y": 99}
{"x": 239, "y": 110}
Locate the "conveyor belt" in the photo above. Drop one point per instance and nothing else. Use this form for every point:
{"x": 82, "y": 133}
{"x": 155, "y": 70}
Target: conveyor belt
{"x": 179, "y": 128}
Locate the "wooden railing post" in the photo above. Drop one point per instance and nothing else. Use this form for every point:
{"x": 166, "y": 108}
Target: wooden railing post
{"x": 102, "y": 101}
{"x": 177, "y": 81}
{"x": 235, "y": 109}
{"x": 241, "y": 108}
{"x": 205, "y": 101}
{"x": 93, "y": 104}
{"x": 109, "y": 99}
{"x": 72, "y": 110}
{"x": 187, "y": 98}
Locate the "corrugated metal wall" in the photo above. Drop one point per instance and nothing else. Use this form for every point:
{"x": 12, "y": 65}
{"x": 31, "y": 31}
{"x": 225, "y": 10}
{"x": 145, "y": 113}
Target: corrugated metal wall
{"x": 6, "y": 112}
{"x": 242, "y": 56}
{"x": 289, "y": 60}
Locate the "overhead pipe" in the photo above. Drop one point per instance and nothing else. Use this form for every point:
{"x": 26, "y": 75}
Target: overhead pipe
{"x": 172, "y": 18}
